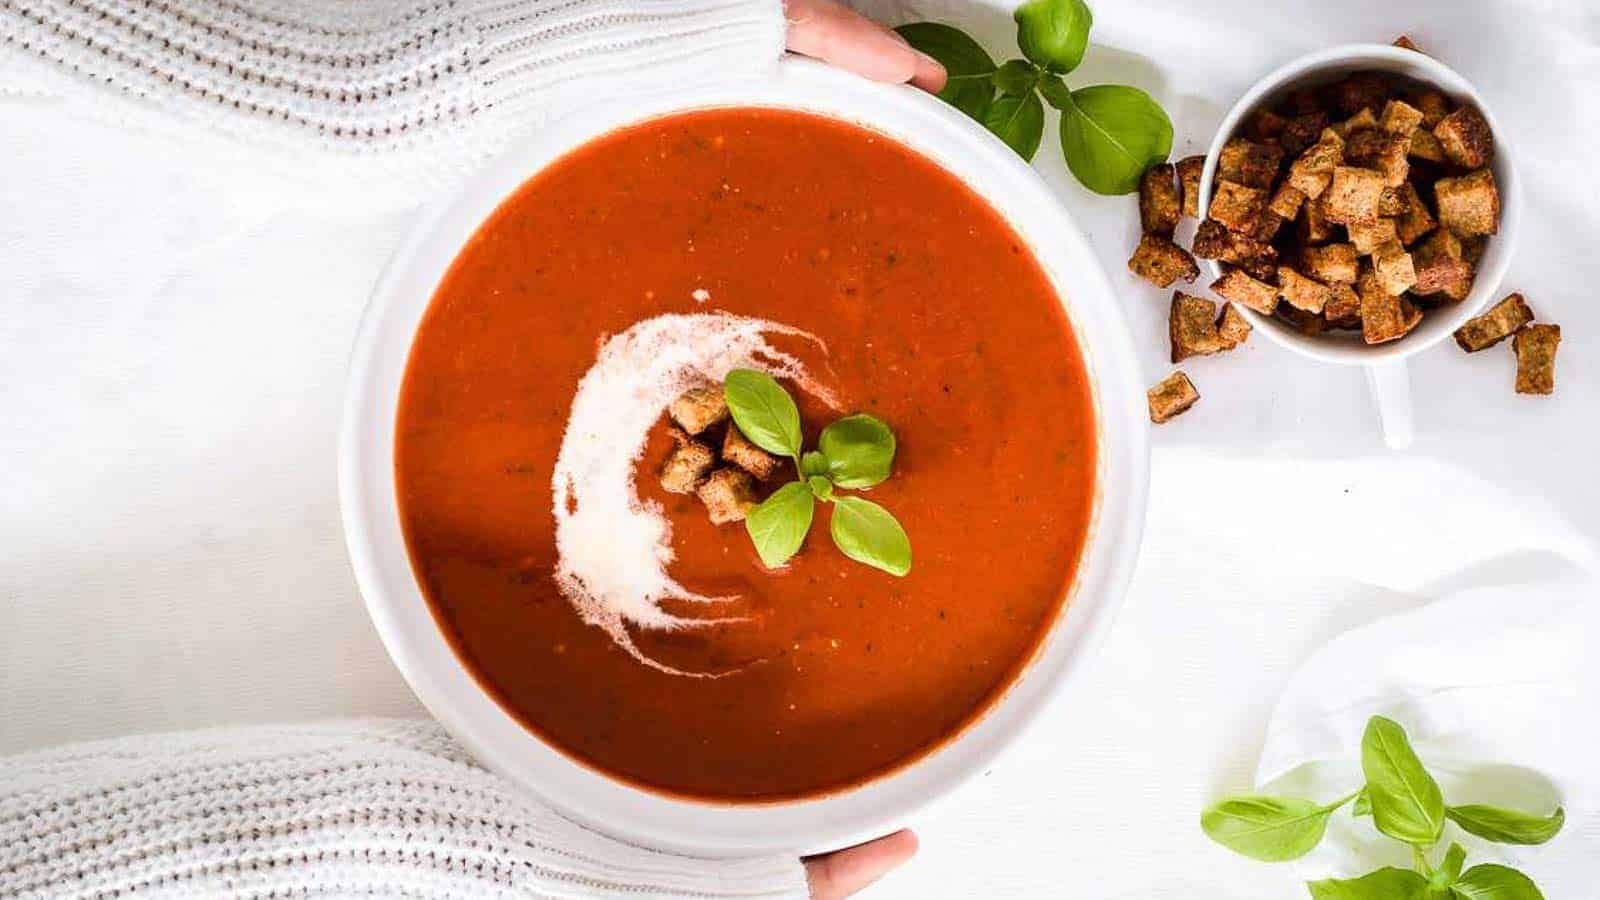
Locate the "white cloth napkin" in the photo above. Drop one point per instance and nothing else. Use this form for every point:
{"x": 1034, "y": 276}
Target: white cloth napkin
{"x": 1498, "y": 685}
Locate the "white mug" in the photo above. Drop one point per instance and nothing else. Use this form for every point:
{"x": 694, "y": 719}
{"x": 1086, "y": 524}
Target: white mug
{"x": 1384, "y": 363}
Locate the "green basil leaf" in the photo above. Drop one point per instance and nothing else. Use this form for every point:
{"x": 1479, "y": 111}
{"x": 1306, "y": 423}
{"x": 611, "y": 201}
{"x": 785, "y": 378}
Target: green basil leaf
{"x": 867, "y": 533}
{"x": 1506, "y": 826}
{"x": 813, "y": 463}
{"x": 1492, "y": 882}
{"x": 1270, "y": 829}
{"x": 1055, "y": 91}
{"x": 1054, "y": 33}
{"x": 1387, "y": 883}
{"x": 1019, "y": 121}
{"x": 1363, "y": 804}
{"x": 969, "y": 86}
{"x": 859, "y": 450}
{"x": 1406, "y": 802}
{"x": 1016, "y": 77}
{"x": 778, "y": 526}
{"x": 763, "y": 410}
{"x": 1450, "y": 868}
{"x": 1110, "y": 134}
{"x": 821, "y": 487}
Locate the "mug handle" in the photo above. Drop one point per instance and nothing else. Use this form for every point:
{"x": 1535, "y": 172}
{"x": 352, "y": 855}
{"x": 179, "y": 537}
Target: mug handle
{"x": 1391, "y": 391}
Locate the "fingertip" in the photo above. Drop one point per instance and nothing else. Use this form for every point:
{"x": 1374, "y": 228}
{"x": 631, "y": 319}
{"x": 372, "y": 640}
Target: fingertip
{"x": 930, "y": 75}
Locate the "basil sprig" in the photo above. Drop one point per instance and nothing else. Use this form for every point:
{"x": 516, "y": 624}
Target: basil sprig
{"x": 855, "y": 453}
{"x": 1110, "y": 133}
{"x": 1406, "y": 804}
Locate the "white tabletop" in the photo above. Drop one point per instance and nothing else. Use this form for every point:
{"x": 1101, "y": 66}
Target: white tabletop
{"x": 174, "y": 338}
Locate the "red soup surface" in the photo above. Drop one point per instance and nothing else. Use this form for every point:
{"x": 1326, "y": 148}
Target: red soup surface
{"x": 937, "y": 319}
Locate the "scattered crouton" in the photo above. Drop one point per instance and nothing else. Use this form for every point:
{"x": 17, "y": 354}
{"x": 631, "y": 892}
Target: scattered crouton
{"x": 1192, "y": 327}
{"x": 737, "y": 449}
{"x": 1433, "y": 104}
{"x": 1213, "y": 240}
{"x": 1393, "y": 267}
{"x": 1237, "y": 206}
{"x": 1401, "y": 118}
{"x": 1330, "y": 263}
{"x": 1470, "y": 204}
{"x": 1405, "y": 43}
{"x": 1171, "y": 397}
{"x": 1536, "y": 346}
{"x": 1425, "y": 146}
{"x": 1394, "y": 201}
{"x": 699, "y": 409}
{"x": 686, "y": 466}
{"x": 1285, "y": 202}
{"x": 1314, "y": 227}
{"x": 1382, "y": 152}
{"x": 1441, "y": 267}
{"x": 1353, "y": 195}
{"x": 1249, "y": 163}
{"x": 728, "y": 494}
{"x": 1466, "y": 138}
{"x": 1232, "y": 327}
{"x": 1358, "y": 91}
{"x": 1310, "y": 173}
{"x": 1237, "y": 286}
{"x": 1161, "y": 262}
{"x": 1361, "y": 121}
{"x": 1384, "y": 316}
{"x": 1371, "y": 235}
{"x": 1344, "y": 308}
{"x": 1501, "y": 321}
{"x": 1159, "y": 204}
{"x": 1416, "y": 221}
{"x": 1301, "y": 292}
{"x": 1189, "y": 169}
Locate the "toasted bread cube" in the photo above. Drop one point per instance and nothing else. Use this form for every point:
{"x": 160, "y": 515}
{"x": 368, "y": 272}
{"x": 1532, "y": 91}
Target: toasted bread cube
{"x": 699, "y": 409}
{"x": 1159, "y": 204}
{"x": 1470, "y": 204}
{"x": 1400, "y": 117}
{"x": 1394, "y": 201}
{"x": 1536, "y": 347}
{"x": 1353, "y": 196}
{"x": 1301, "y": 292}
{"x": 1381, "y": 152}
{"x": 1393, "y": 266}
{"x": 1416, "y": 221}
{"x": 728, "y": 495}
{"x": 1237, "y": 286}
{"x": 1404, "y": 42}
{"x": 1472, "y": 249}
{"x": 1189, "y": 169}
{"x": 1433, "y": 104}
{"x": 1368, "y": 237}
{"x": 1266, "y": 125}
{"x": 686, "y": 466}
{"x": 1172, "y": 396}
{"x": 1232, "y": 327}
{"x": 1425, "y": 146}
{"x": 1303, "y": 100}
{"x": 1330, "y": 263}
{"x": 1343, "y": 309}
{"x": 1465, "y": 137}
{"x": 1384, "y": 316}
{"x": 1248, "y": 163}
{"x": 1161, "y": 262}
{"x": 1309, "y": 324}
{"x": 1314, "y": 227}
{"x": 737, "y": 449}
{"x": 1440, "y": 267}
{"x": 1213, "y": 240}
{"x": 1311, "y": 172}
{"x": 1302, "y": 131}
{"x": 1285, "y": 202}
{"x": 1192, "y": 326}
{"x": 1361, "y": 121}
{"x": 1358, "y": 91}
{"x": 1237, "y": 206}
{"x": 1501, "y": 321}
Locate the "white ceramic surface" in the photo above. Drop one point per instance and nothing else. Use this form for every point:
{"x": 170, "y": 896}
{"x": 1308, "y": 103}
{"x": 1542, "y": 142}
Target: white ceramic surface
{"x": 1386, "y": 373}
{"x": 369, "y": 509}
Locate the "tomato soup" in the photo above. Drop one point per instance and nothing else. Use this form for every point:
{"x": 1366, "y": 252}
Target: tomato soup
{"x": 929, "y": 312}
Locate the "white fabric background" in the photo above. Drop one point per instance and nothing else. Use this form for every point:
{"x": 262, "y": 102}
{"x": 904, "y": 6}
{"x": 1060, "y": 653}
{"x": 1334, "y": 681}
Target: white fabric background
{"x": 173, "y": 333}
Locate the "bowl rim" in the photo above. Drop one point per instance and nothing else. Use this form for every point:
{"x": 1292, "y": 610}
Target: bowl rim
{"x": 1498, "y": 251}
{"x": 452, "y": 695}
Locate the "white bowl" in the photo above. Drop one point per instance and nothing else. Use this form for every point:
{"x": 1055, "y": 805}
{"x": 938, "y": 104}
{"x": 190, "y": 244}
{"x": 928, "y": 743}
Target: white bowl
{"x": 402, "y": 617}
{"x": 1346, "y": 348}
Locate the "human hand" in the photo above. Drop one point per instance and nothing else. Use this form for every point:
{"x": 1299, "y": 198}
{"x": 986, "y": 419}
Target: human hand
{"x": 842, "y": 873}
{"x": 839, "y": 35}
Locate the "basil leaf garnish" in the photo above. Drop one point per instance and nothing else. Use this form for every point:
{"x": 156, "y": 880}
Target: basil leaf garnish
{"x": 1054, "y": 33}
{"x": 1019, "y": 121}
{"x": 969, "y": 86}
{"x": 1110, "y": 134}
{"x": 1506, "y": 826}
{"x": 778, "y": 526}
{"x": 1363, "y": 804}
{"x": 813, "y": 463}
{"x": 867, "y": 533}
{"x": 1450, "y": 869}
{"x": 1271, "y": 829}
{"x": 1406, "y": 802}
{"x": 821, "y": 487}
{"x": 1492, "y": 882}
{"x": 859, "y": 450}
{"x": 1385, "y": 884}
{"x": 1016, "y": 77}
{"x": 764, "y": 411}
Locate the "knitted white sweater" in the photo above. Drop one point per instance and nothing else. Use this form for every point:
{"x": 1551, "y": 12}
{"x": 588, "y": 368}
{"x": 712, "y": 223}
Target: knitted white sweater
{"x": 397, "y": 96}
{"x": 371, "y": 807}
